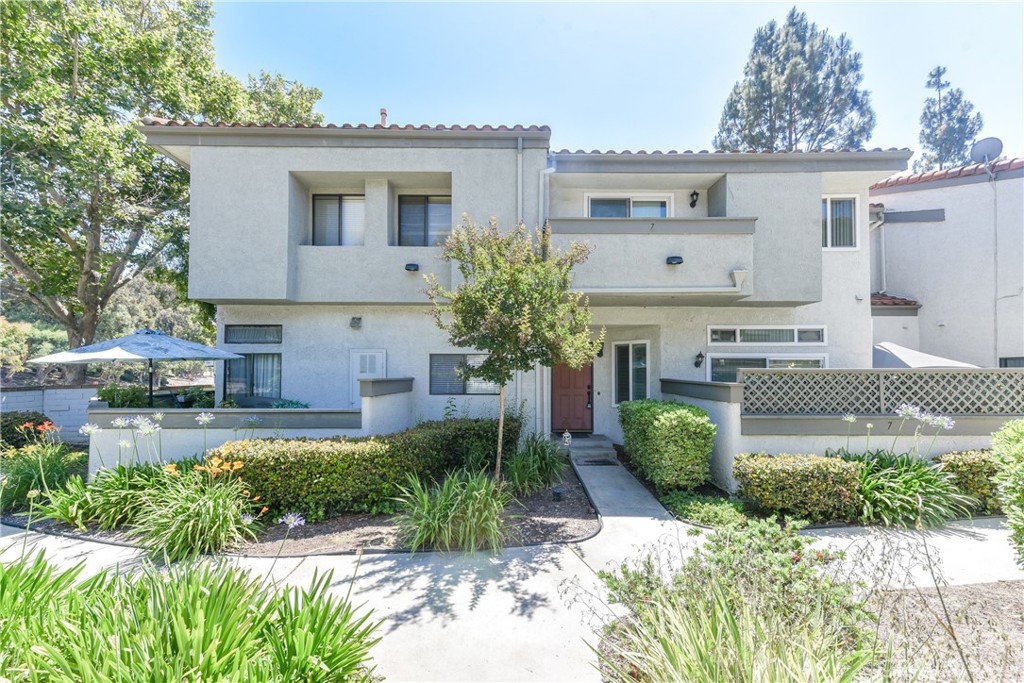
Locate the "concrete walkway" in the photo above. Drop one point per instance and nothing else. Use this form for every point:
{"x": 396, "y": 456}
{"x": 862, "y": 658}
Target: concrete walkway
{"x": 530, "y": 614}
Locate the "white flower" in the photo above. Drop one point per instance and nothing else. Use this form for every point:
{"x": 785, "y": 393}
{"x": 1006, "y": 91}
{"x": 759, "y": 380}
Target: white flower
{"x": 252, "y": 421}
{"x": 124, "y": 443}
{"x": 869, "y": 425}
{"x": 907, "y": 411}
{"x": 247, "y": 519}
{"x": 204, "y": 418}
{"x": 33, "y": 494}
{"x": 146, "y": 427}
{"x": 89, "y": 429}
{"x": 851, "y": 418}
{"x": 121, "y": 422}
{"x": 158, "y": 417}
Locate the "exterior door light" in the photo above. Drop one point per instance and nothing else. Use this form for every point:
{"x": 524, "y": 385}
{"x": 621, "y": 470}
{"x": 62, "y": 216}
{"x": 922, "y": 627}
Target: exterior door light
{"x": 674, "y": 260}
{"x": 412, "y": 267}
{"x": 694, "y": 196}
{"x": 699, "y": 360}
{"x": 355, "y": 323}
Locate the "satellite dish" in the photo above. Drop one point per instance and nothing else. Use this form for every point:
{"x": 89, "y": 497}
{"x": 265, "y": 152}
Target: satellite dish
{"x": 984, "y": 151}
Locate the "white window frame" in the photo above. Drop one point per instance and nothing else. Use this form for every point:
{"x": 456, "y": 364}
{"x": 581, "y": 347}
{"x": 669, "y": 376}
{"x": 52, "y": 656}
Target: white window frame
{"x": 647, "y": 345}
{"x": 856, "y": 221}
{"x": 641, "y": 196}
{"x": 796, "y": 330}
{"x": 823, "y": 357}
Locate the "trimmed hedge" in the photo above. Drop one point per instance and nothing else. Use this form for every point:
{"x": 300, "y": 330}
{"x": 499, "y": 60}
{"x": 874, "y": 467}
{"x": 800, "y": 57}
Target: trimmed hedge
{"x": 1008, "y": 454}
{"x": 973, "y": 473}
{"x": 323, "y": 477}
{"x": 811, "y": 487}
{"x": 10, "y": 435}
{"x": 669, "y": 443}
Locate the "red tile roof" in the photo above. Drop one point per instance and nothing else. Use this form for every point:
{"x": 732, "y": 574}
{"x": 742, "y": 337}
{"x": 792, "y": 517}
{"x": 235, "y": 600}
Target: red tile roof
{"x": 658, "y": 152}
{"x": 881, "y": 299}
{"x": 944, "y": 174}
{"x": 172, "y": 123}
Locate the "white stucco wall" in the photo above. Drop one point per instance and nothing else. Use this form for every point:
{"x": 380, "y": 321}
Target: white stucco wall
{"x": 967, "y": 271}
{"x": 899, "y": 329}
{"x": 67, "y": 407}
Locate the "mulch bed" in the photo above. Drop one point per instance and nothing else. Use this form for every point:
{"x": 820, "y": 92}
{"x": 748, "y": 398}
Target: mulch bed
{"x": 535, "y": 519}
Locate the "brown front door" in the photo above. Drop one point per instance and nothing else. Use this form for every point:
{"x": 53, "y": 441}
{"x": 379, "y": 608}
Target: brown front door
{"x": 572, "y": 398}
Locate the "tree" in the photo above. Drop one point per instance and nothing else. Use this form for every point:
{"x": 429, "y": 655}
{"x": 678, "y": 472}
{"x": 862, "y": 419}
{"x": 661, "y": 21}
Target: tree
{"x": 514, "y": 304}
{"x": 87, "y": 205}
{"x": 801, "y": 91}
{"x": 947, "y": 126}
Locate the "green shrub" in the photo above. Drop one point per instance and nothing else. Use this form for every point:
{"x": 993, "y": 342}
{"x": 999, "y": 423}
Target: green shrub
{"x": 115, "y": 497}
{"x": 71, "y": 504}
{"x": 463, "y": 512}
{"x": 198, "y": 397}
{"x": 973, "y": 473}
{"x": 670, "y": 443}
{"x": 40, "y": 466}
{"x": 807, "y": 486}
{"x": 187, "y": 514}
{"x": 289, "y": 403}
{"x": 750, "y": 604}
{"x": 209, "y": 622}
{"x": 1008, "y": 454}
{"x": 124, "y": 395}
{"x": 906, "y": 491}
{"x": 536, "y": 465}
{"x": 713, "y": 511}
{"x": 12, "y": 435}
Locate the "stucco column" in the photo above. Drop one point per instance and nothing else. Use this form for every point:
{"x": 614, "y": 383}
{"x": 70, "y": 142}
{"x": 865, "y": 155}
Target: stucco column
{"x": 378, "y": 211}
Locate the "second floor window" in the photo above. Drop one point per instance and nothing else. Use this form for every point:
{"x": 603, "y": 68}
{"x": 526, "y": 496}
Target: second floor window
{"x": 424, "y": 221}
{"x": 838, "y": 223}
{"x": 628, "y": 207}
{"x": 338, "y": 220}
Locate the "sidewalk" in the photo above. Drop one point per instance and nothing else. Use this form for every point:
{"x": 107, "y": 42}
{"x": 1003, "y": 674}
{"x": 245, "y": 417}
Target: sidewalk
{"x": 530, "y": 614}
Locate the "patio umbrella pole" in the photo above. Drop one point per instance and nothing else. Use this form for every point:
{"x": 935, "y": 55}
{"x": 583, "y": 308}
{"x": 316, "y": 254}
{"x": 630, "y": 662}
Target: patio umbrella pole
{"x": 150, "y": 382}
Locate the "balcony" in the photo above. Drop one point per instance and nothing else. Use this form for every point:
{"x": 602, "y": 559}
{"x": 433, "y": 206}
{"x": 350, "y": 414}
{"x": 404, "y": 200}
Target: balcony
{"x": 365, "y": 274}
{"x": 628, "y": 265}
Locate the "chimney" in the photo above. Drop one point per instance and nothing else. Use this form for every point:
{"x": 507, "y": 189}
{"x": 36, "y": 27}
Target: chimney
{"x": 383, "y": 116}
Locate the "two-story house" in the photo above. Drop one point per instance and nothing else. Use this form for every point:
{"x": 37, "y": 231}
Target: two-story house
{"x": 313, "y": 241}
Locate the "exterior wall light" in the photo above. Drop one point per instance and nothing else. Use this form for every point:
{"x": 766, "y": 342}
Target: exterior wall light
{"x": 699, "y": 360}
{"x": 674, "y": 260}
{"x": 355, "y": 323}
{"x": 412, "y": 267}
{"x": 694, "y": 196}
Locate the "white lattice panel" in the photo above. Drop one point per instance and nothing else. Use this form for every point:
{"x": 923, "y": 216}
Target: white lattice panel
{"x": 869, "y": 392}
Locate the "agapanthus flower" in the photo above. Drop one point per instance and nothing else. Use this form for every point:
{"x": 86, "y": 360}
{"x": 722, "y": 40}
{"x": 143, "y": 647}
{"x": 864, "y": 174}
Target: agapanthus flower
{"x": 204, "y": 418}
{"x": 247, "y": 519}
{"x": 252, "y": 421}
{"x": 909, "y": 411}
{"x": 292, "y": 520}
{"x": 851, "y": 418}
{"x": 124, "y": 444}
{"x": 89, "y": 429}
{"x": 157, "y": 417}
{"x": 121, "y": 422}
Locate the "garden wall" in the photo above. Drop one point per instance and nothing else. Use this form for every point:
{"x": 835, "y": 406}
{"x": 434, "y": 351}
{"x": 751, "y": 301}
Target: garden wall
{"x": 744, "y": 433}
{"x": 68, "y": 407}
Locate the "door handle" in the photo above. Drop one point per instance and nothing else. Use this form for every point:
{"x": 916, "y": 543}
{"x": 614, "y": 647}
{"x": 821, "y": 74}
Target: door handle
{"x": 590, "y": 403}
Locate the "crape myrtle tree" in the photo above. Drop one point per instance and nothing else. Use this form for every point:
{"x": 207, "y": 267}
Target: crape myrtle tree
{"x": 514, "y": 304}
{"x": 947, "y": 126}
{"x": 87, "y": 205}
{"x": 800, "y": 92}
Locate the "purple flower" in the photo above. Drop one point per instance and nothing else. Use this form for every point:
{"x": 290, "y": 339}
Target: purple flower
{"x": 292, "y": 520}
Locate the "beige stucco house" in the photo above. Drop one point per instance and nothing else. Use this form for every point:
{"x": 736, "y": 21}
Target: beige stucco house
{"x": 313, "y": 241}
{"x": 948, "y": 262}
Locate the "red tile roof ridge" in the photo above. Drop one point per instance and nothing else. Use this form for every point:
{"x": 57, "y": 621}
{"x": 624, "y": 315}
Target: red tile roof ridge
{"x": 1009, "y": 164}
{"x": 883, "y": 299}
{"x": 673, "y": 152}
{"x": 156, "y": 121}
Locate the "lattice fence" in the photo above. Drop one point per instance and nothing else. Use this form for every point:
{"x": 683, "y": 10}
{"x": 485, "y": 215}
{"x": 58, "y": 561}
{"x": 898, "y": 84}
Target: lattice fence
{"x": 871, "y": 392}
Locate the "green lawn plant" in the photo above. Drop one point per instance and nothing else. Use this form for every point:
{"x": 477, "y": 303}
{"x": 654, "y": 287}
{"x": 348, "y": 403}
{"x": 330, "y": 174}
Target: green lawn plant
{"x": 208, "y": 622}
{"x": 41, "y": 466}
{"x": 1008, "y": 453}
{"x": 906, "y": 491}
{"x": 713, "y": 511}
{"x": 669, "y": 443}
{"x": 536, "y": 465}
{"x": 812, "y": 487}
{"x": 464, "y": 512}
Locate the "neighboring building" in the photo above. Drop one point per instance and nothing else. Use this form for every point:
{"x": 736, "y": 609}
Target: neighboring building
{"x": 312, "y": 241}
{"x": 949, "y": 247}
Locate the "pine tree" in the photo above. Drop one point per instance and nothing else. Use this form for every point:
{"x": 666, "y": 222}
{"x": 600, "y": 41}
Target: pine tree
{"x": 801, "y": 91}
{"x": 947, "y": 126}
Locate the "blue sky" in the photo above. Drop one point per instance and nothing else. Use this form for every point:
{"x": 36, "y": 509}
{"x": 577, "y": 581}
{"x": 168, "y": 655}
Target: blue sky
{"x": 614, "y": 76}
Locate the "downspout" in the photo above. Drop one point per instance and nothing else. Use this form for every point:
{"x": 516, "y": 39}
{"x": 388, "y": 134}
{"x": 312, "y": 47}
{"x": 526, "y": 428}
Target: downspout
{"x": 880, "y": 226}
{"x": 543, "y": 182}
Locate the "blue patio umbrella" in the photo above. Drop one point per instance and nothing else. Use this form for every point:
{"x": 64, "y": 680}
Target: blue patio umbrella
{"x": 144, "y": 345}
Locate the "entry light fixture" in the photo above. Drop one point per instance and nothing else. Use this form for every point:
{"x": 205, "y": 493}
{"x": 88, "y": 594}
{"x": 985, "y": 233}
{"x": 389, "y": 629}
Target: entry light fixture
{"x": 699, "y": 360}
{"x": 355, "y": 323}
{"x": 674, "y": 260}
{"x": 694, "y": 196}
{"x": 412, "y": 267}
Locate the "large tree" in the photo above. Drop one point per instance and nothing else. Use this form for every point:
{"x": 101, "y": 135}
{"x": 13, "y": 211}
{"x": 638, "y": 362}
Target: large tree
{"x": 514, "y": 304}
{"x": 86, "y": 205}
{"x": 800, "y": 91}
{"x": 947, "y": 126}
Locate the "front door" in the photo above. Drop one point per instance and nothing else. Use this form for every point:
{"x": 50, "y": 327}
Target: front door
{"x": 572, "y": 399}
